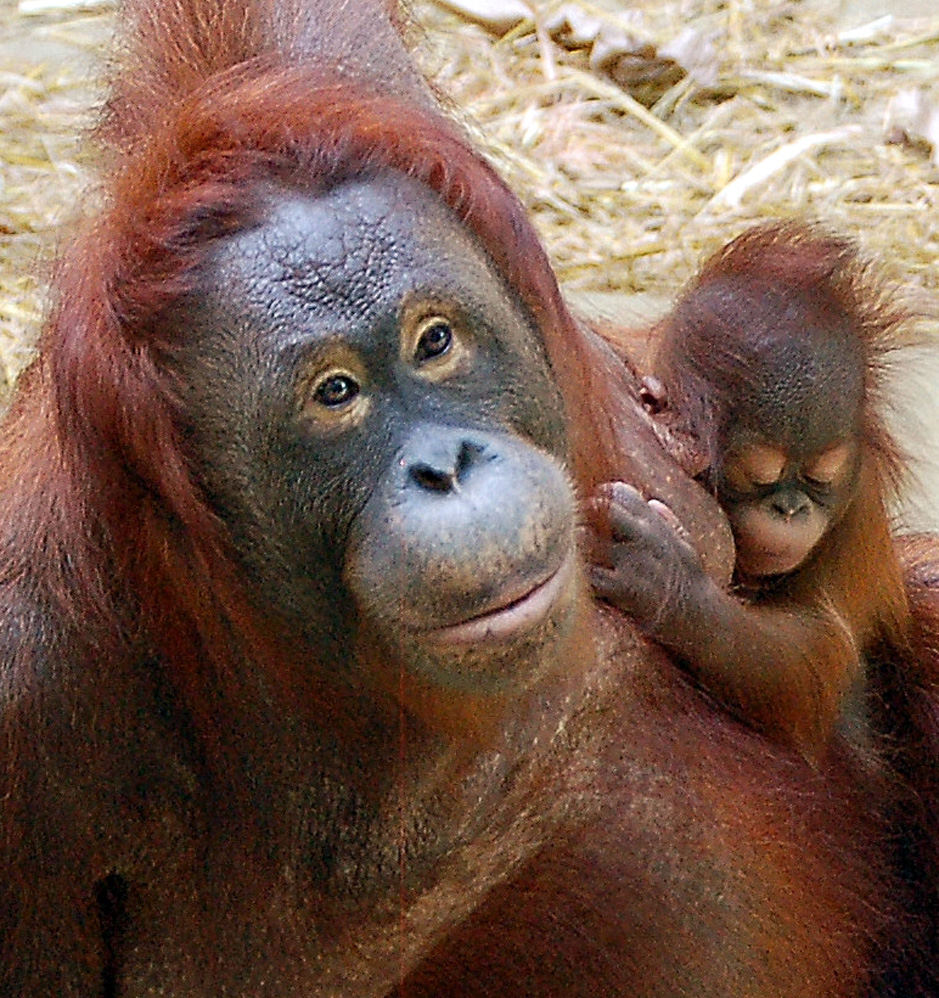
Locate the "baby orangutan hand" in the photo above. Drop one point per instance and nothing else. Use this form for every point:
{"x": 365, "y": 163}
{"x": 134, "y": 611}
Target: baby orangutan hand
{"x": 644, "y": 564}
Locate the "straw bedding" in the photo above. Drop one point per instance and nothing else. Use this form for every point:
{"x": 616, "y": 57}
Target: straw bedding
{"x": 640, "y": 135}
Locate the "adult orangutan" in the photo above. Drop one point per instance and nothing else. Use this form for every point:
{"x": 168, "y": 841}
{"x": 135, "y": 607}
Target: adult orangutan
{"x": 303, "y": 689}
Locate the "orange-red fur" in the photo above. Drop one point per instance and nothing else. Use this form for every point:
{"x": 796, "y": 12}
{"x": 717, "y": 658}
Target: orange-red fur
{"x": 847, "y": 600}
{"x": 610, "y": 834}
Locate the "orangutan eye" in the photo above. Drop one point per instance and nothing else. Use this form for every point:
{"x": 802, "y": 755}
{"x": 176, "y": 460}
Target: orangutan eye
{"x": 829, "y": 466}
{"x": 435, "y": 339}
{"x": 336, "y": 390}
{"x": 755, "y": 467}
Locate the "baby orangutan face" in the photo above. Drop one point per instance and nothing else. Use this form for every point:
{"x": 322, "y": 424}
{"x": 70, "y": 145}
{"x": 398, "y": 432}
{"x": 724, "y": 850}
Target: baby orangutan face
{"x": 781, "y": 503}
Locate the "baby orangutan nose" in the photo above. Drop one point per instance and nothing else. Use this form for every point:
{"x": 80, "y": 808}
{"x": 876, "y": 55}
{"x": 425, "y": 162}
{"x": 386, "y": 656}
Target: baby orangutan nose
{"x": 791, "y": 503}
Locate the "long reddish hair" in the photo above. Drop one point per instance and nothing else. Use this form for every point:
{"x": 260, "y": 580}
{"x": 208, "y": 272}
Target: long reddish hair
{"x": 195, "y": 140}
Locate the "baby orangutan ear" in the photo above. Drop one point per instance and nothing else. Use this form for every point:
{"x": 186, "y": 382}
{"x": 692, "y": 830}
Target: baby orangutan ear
{"x": 683, "y": 446}
{"x": 652, "y": 394}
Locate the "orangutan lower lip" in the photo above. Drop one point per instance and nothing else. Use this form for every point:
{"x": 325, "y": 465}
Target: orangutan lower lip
{"x": 514, "y": 618}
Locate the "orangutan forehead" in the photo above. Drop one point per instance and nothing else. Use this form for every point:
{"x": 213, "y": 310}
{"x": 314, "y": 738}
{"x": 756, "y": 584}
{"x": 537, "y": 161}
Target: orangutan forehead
{"x": 788, "y": 365}
{"x": 360, "y": 248}
{"x": 803, "y": 392}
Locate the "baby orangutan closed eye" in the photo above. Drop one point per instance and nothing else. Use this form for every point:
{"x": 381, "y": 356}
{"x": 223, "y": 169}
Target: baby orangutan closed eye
{"x": 783, "y": 501}
{"x": 770, "y": 365}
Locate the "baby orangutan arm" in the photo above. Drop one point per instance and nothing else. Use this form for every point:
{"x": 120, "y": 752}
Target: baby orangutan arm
{"x": 782, "y": 669}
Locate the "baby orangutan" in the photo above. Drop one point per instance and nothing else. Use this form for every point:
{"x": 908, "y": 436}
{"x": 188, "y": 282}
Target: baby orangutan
{"x": 770, "y": 368}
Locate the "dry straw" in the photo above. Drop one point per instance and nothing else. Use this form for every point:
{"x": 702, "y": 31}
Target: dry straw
{"x": 770, "y": 110}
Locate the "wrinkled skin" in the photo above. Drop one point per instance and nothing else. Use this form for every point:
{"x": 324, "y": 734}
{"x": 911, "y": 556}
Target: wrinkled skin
{"x": 303, "y": 693}
{"x": 451, "y": 768}
{"x": 376, "y": 422}
{"x": 439, "y": 508}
